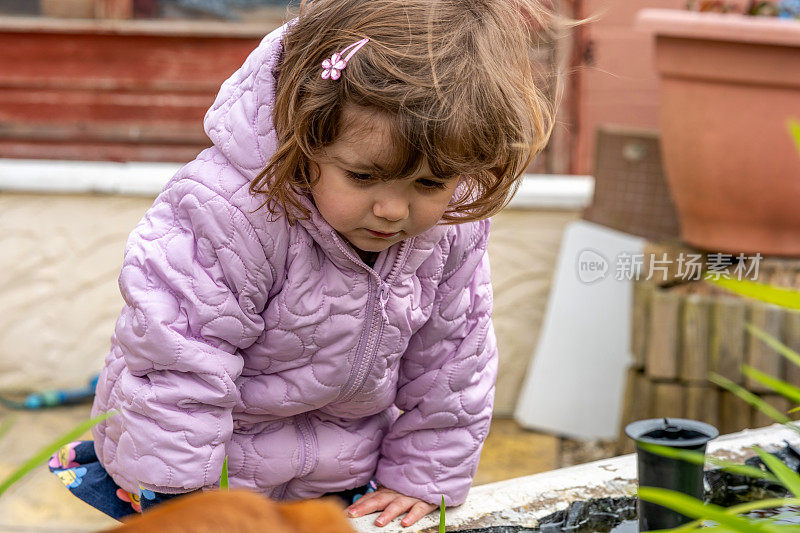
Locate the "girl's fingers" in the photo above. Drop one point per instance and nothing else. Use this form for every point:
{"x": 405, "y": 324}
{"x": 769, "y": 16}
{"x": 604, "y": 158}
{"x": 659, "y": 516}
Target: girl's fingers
{"x": 393, "y": 510}
{"x": 419, "y": 510}
{"x": 363, "y": 499}
{"x": 369, "y": 503}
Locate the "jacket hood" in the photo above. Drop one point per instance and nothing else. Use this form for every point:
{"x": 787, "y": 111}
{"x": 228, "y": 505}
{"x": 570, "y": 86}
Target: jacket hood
{"x": 240, "y": 121}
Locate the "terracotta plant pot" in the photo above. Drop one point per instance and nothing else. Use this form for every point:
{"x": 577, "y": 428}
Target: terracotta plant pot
{"x": 729, "y": 85}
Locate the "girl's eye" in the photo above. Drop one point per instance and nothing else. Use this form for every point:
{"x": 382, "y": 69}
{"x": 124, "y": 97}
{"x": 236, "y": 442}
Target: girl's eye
{"x": 359, "y": 177}
{"x": 426, "y": 184}
{"x": 432, "y": 184}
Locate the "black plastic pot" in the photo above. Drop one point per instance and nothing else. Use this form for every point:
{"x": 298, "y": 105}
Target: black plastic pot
{"x": 674, "y": 474}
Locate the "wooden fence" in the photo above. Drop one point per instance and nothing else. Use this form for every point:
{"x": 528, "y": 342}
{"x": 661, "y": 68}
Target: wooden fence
{"x": 682, "y": 331}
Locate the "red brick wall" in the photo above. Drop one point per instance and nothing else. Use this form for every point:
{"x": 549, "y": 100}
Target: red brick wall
{"x": 616, "y": 81}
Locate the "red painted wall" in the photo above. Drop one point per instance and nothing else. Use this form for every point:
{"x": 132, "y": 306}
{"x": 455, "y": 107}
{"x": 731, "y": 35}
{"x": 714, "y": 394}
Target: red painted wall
{"x": 85, "y": 90}
{"x": 616, "y": 81}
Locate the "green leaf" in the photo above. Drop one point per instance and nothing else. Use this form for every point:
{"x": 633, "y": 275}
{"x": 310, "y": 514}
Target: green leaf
{"x": 779, "y": 386}
{"x": 751, "y": 398}
{"x": 774, "y": 343}
{"x": 441, "y": 517}
{"x": 223, "y": 479}
{"x": 794, "y": 131}
{"x": 789, "y": 478}
{"x": 699, "y": 458}
{"x": 787, "y": 298}
{"x": 695, "y": 508}
{"x": 44, "y": 454}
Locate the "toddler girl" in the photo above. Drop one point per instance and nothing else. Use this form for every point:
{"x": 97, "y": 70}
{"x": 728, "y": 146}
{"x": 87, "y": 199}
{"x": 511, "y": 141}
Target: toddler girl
{"x": 310, "y": 297}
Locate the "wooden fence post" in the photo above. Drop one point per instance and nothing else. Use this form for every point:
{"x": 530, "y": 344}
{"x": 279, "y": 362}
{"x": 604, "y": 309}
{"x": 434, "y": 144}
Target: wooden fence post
{"x": 727, "y": 340}
{"x": 663, "y": 330}
{"x": 759, "y": 355}
{"x": 695, "y": 333}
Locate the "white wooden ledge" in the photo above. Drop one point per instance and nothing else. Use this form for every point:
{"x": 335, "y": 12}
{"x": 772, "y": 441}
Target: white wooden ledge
{"x": 537, "y": 191}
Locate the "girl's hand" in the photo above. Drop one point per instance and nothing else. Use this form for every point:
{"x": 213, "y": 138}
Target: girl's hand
{"x": 393, "y": 504}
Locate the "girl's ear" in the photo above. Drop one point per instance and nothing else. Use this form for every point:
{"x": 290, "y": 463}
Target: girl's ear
{"x": 314, "y": 170}
{"x": 313, "y": 173}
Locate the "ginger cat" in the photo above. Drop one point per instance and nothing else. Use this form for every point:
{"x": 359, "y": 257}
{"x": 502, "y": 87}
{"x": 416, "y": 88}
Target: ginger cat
{"x": 239, "y": 511}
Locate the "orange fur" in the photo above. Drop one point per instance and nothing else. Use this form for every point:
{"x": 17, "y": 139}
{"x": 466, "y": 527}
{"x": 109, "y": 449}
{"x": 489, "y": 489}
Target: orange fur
{"x": 239, "y": 511}
{"x": 316, "y": 516}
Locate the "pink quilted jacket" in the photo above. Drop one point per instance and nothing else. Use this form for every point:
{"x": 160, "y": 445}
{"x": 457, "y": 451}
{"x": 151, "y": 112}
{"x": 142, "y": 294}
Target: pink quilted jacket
{"x": 277, "y": 346}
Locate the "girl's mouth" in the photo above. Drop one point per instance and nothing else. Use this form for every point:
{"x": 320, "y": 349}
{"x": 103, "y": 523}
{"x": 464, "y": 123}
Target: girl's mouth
{"x": 382, "y": 235}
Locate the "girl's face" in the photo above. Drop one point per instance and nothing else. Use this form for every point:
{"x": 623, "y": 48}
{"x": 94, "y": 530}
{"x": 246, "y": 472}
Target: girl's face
{"x": 373, "y": 214}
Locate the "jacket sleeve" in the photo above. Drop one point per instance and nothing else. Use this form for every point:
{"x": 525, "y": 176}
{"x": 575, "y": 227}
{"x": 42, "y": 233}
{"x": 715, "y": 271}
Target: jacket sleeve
{"x": 446, "y": 383}
{"x": 195, "y": 277}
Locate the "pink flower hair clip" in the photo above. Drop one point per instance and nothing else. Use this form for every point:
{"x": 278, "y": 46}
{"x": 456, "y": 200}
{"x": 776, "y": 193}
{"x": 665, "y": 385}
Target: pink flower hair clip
{"x": 332, "y": 68}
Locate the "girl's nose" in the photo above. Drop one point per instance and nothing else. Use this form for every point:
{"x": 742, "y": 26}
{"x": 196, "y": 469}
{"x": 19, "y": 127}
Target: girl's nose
{"x": 391, "y": 206}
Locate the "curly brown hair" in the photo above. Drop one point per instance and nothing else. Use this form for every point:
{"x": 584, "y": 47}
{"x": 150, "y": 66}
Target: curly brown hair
{"x": 454, "y": 77}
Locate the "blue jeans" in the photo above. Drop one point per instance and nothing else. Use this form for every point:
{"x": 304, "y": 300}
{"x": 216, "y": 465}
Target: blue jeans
{"x": 77, "y": 466}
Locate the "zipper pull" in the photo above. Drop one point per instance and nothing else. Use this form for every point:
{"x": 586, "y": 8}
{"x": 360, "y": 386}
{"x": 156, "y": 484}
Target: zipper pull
{"x": 383, "y": 299}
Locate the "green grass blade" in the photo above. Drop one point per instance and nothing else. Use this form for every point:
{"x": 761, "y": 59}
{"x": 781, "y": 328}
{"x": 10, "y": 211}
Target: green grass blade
{"x": 751, "y": 398}
{"x": 742, "y": 508}
{"x": 689, "y": 526}
{"x": 44, "y": 454}
{"x": 689, "y": 456}
{"x": 694, "y": 508}
{"x": 700, "y": 458}
{"x": 775, "y": 344}
{"x": 787, "y": 298}
{"x": 794, "y": 131}
{"x": 762, "y": 504}
{"x": 223, "y": 479}
{"x": 779, "y": 386}
{"x": 789, "y": 478}
{"x": 441, "y": 517}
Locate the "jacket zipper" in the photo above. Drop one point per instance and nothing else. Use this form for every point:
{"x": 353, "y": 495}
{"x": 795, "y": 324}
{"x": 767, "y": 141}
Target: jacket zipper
{"x": 306, "y": 436}
{"x": 308, "y": 445}
{"x": 360, "y": 349}
{"x": 372, "y": 351}
{"x": 365, "y": 356}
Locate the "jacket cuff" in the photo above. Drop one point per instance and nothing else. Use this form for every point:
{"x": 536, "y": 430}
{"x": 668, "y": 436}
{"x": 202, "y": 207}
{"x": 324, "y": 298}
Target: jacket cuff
{"x": 150, "y": 499}
{"x": 393, "y": 477}
{"x": 177, "y": 491}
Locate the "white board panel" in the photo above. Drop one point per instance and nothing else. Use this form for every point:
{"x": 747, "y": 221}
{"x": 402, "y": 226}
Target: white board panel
{"x": 574, "y": 386}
